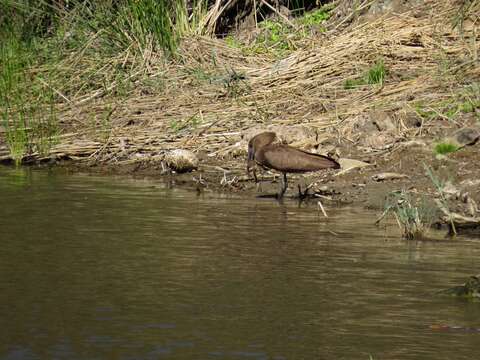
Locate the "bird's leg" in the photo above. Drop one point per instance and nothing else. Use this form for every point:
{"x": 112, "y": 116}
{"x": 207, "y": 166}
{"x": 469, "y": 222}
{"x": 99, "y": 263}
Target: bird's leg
{"x": 284, "y": 186}
{"x": 300, "y": 195}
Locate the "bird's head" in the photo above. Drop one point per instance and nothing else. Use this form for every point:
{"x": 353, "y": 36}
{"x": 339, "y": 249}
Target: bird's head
{"x": 255, "y": 144}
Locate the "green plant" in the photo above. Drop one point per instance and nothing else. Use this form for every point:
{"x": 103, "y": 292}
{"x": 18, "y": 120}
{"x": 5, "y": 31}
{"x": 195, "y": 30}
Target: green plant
{"x": 414, "y": 218}
{"x": 232, "y": 42}
{"x": 471, "y": 100}
{"x": 375, "y": 75}
{"x": 27, "y": 102}
{"x": 442, "y": 203}
{"x": 353, "y": 83}
{"x": 444, "y": 148}
{"x": 462, "y": 101}
{"x": 16, "y": 137}
{"x": 234, "y": 83}
{"x": 179, "y": 125}
{"x": 190, "y": 23}
{"x": 318, "y": 16}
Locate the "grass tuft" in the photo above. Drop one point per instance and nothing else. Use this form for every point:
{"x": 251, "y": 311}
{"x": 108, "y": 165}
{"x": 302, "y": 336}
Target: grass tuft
{"x": 375, "y": 75}
{"x": 444, "y": 148}
{"x": 415, "y": 219}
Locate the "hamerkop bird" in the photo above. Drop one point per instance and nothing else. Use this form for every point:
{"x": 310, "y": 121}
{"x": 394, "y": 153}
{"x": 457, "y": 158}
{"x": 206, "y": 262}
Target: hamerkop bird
{"x": 263, "y": 150}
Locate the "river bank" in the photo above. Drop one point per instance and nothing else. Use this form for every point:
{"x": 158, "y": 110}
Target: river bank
{"x": 391, "y": 86}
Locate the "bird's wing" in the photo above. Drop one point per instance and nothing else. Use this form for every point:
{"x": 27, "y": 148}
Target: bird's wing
{"x": 288, "y": 159}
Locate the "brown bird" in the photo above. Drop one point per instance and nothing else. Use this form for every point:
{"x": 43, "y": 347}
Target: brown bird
{"x": 286, "y": 159}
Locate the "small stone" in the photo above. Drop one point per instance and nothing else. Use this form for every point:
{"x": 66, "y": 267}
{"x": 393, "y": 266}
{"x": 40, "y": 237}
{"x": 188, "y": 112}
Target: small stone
{"x": 388, "y": 176}
{"x": 467, "y": 136}
{"x": 382, "y": 121}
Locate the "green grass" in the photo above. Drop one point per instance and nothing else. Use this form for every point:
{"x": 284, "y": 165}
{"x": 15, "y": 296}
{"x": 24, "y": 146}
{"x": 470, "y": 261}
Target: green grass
{"x": 413, "y": 217}
{"x": 459, "y": 103}
{"x": 318, "y": 16}
{"x": 376, "y": 74}
{"x": 59, "y": 52}
{"x": 353, "y": 83}
{"x": 444, "y": 148}
{"x": 26, "y": 101}
{"x": 279, "y": 38}
{"x": 17, "y": 138}
{"x": 439, "y": 185}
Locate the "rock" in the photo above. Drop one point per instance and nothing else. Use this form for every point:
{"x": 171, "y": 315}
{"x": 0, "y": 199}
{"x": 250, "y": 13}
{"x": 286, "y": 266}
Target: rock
{"x": 450, "y": 190}
{"x": 470, "y": 183}
{"x": 349, "y": 164}
{"x": 470, "y": 289}
{"x": 363, "y": 124}
{"x": 382, "y": 121}
{"x": 389, "y": 176}
{"x": 380, "y": 7}
{"x": 466, "y": 136}
{"x": 472, "y": 206}
{"x": 411, "y": 119}
{"x": 460, "y": 221}
{"x": 463, "y": 137}
{"x": 181, "y": 160}
{"x": 378, "y": 141}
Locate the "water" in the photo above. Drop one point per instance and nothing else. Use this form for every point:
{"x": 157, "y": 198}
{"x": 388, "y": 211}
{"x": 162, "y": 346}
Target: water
{"x": 112, "y": 268}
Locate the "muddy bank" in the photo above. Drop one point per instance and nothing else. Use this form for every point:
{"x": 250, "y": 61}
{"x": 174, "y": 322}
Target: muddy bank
{"x": 367, "y": 178}
{"x": 391, "y": 90}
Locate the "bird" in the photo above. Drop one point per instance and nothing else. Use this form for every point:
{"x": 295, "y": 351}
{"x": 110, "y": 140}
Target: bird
{"x": 263, "y": 150}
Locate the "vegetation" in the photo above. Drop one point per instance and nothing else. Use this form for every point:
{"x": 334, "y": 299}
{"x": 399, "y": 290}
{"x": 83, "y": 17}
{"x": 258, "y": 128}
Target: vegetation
{"x": 456, "y": 104}
{"x": 317, "y": 17}
{"x": 375, "y": 75}
{"x": 443, "y": 201}
{"x": 278, "y": 37}
{"x": 413, "y": 217}
{"x": 444, "y": 148}
{"x": 66, "y": 51}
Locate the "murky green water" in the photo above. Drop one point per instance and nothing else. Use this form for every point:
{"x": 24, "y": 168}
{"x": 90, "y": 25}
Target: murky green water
{"x": 109, "y": 268}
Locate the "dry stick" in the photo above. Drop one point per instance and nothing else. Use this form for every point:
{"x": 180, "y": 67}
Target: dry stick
{"x": 255, "y": 13}
{"x": 217, "y": 15}
{"x": 103, "y": 91}
{"x": 362, "y": 6}
{"x": 278, "y": 13}
{"x": 54, "y": 89}
{"x": 319, "y": 203}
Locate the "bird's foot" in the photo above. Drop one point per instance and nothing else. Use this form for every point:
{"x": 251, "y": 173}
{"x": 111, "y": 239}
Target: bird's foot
{"x": 303, "y": 195}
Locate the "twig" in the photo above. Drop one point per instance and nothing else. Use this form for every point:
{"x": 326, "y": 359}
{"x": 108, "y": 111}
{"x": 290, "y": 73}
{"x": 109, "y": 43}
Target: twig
{"x": 361, "y": 7}
{"x": 278, "y": 13}
{"x": 319, "y": 203}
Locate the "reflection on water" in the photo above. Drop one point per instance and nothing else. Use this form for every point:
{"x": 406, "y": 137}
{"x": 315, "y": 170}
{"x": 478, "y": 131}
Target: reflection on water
{"x": 109, "y": 268}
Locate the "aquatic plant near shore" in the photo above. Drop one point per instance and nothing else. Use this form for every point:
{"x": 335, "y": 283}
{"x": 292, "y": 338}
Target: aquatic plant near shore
{"x": 415, "y": 219}
{"x": 442, "y": 201}
{"x": 27, "y": 103}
